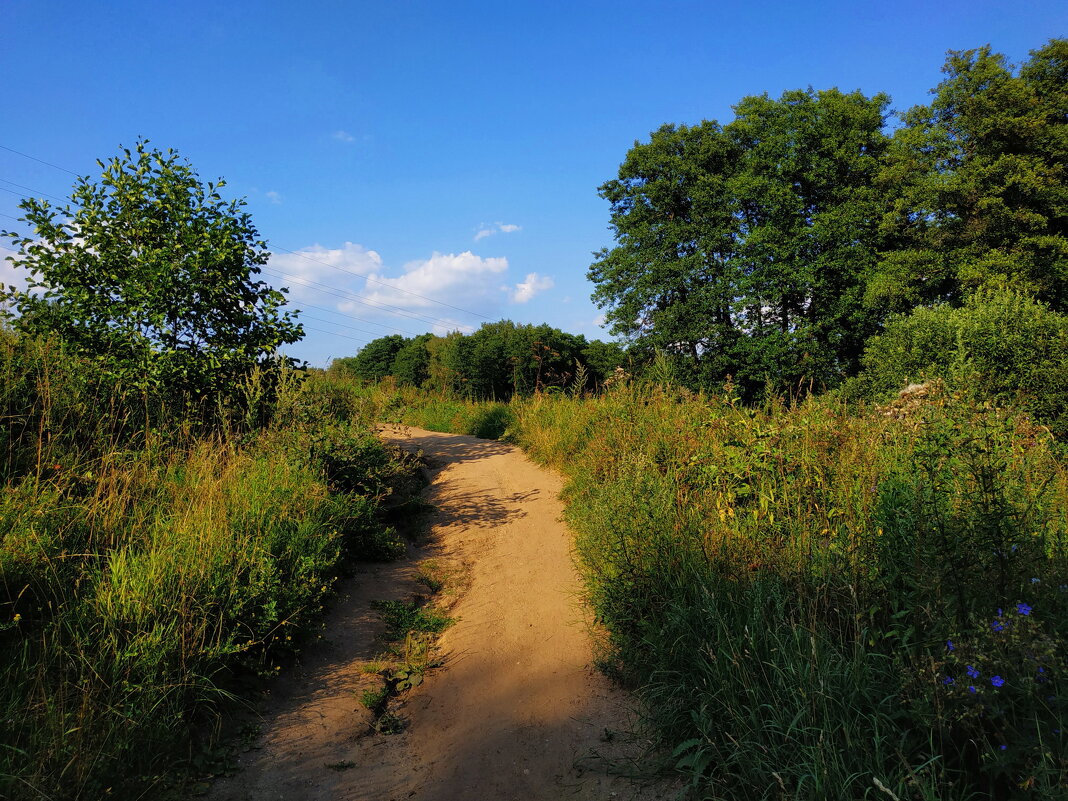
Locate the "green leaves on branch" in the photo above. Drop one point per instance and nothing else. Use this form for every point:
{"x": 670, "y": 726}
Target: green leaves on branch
{"x": 773, "y": 247}
{"x": 742, "y": 247}
{"x": 151, "y": 274}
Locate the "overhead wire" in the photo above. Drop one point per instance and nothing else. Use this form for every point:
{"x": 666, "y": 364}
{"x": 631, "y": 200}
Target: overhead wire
{"x": 34, "y": 158}
{"x": 294, "y": 253}
{"x": 376, "y": 281}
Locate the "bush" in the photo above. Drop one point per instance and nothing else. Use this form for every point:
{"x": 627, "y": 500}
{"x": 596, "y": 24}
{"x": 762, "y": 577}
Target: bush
{"x": 1002, "y": 345}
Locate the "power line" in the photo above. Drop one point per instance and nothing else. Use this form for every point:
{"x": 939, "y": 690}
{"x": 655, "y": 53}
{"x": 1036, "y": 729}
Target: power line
{"x": 355, "y": 298}
{"x": 287, "y": 250}
{"x": 41, "y": 161}
{"x": 305, "y": 316}
{"x": 28, "y": 189}
{"x": 332, "y": 334}
{"x": 300, "y": 304}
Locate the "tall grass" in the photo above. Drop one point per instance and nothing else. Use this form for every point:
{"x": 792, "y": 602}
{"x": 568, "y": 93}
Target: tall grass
{"x": 140, "y": 576}
{"x": 816, "y": 603}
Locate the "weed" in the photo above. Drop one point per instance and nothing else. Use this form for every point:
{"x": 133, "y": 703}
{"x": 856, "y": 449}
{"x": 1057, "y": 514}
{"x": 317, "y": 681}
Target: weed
{"x": 402, "y": 617}
{"x": 375, "y": 698}
{"x": 431, "y": 576}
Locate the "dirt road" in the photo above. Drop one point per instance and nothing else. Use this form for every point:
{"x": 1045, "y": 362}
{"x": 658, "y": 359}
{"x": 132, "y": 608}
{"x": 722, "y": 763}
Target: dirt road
{"x": 516, "y": 713}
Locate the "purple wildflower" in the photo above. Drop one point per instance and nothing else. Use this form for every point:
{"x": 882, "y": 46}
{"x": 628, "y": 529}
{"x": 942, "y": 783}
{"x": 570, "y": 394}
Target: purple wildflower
{"x": 997, "y": 681}
{"x": 1023, "y": 609}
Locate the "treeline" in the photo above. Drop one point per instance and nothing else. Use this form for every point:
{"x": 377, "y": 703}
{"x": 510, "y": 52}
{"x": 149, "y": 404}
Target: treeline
{"x": 496, "y": 362}
{"x": 772, "y": 248}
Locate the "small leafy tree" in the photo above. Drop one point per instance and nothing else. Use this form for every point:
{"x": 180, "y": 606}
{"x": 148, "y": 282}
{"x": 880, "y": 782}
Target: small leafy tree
{"x": 151, "y": 274}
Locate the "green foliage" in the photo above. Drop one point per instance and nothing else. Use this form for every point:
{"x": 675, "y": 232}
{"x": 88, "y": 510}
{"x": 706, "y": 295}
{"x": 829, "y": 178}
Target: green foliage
{"x": 1001, "y": 344}
{"x": 139, "y": 584}
{"x": 744, "y": 247}
{"x": 419, "y": 408}
{"x": 976, "y": 184}
{"x": 496, "y": 362}
{"x": 374, "y": 361}
{"x": 411, "y": 365}
{"x": 771, "y": 248}
{"x": 150, "y": 275}
{"x": 404, "y": 617}
{"x": 780, "y": 586}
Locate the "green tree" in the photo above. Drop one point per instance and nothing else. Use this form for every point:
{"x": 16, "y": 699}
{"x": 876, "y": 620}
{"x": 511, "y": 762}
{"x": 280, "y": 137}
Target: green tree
{"x": 745, "y": 248}
{"x": 375, "y": 359}
{"x": 671, "y": 280}
{"x": 411, "y": 365}
{"x": 150, "y": 274}
{"x": 978, "y": 185}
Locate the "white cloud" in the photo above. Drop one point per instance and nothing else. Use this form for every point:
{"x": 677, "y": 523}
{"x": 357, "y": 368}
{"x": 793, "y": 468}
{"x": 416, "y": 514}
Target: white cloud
{"x": 274, "y": 197}
{"x": 457, "y": 279}
{"x": 485, "y": 230}
{"x": 532, "y": 285}
{"x": 343, "y": 136}
{"x": 462, "y": 280}
{"x": 326, "y": 266}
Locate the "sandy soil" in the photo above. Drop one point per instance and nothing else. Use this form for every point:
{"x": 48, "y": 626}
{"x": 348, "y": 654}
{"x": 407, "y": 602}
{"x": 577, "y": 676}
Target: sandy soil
{"x": 516, "y": 712}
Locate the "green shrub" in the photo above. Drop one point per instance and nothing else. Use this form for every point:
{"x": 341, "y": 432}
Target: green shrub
{"x": 143, "y": 571}
{"x": 1002, "y": 345}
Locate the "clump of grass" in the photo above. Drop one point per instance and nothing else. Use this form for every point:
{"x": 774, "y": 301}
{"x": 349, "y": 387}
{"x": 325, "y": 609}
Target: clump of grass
{"x": 432, "y": 576}
{"x": 404, "y": 617}
{"x": 374, "y": 698}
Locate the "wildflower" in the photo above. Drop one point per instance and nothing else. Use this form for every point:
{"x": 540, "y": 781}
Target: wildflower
{"x": 971, "y": 688}
{"x": 949, "y": 645}
{"x": 997, "y": 625}
{"x": 1023, "y": 609}
{"x": 972, "y": 672}
{"x": 1003, "y": 747}
{"x": 947, "y": 680}
{"x": 1036, "y": 580}
{"x": 997, "y": 681}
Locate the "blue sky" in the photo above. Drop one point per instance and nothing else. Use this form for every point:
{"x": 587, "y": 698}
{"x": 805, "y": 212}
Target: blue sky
{"x": 450, "y": 150}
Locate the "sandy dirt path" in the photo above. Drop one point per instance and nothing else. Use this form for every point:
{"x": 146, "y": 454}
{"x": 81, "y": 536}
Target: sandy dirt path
{"x": 517, "y": 712}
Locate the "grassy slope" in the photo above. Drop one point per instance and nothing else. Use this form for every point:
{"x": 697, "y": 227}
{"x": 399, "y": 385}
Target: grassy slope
{"x": 138, "y": 582}
{"x": 781, "y": 586}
